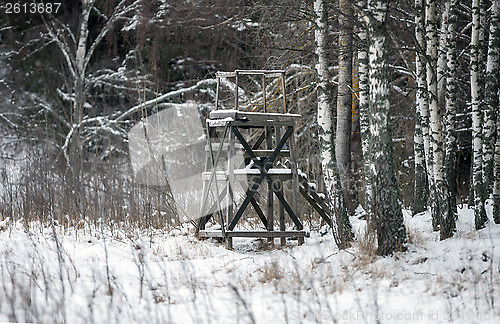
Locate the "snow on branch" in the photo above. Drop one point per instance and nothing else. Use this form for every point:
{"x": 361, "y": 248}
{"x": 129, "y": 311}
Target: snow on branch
{"x": 166, "y": 96}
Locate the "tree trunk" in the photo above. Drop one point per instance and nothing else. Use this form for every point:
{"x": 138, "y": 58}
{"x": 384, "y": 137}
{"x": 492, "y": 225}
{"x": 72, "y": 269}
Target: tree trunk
{"x": 477, "y": 142}
{"x": 420, "y": 186}
{"x": 448, "y": 224}
{"x": 344, "y": 103}
{"x": 438, "y": 192}
{"x": 493, "y": 99}
{"x": 391, "y": 232}
{"x": 342, "y": 227}
{"x": 364, "y": 92}
{"x": 442, "y": 56}
{"x": 492, "y": 85}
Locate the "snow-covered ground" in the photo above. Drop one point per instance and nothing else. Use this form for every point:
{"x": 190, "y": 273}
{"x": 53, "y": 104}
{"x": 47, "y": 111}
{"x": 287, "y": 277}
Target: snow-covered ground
{"x": 50, "y": 275}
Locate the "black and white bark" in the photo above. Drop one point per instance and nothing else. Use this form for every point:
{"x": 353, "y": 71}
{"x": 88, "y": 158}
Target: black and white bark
{"x": 448, "y": 222}
{"x": 391, "y": 232}
{"x": 477, "y": 119}
{"x": 493, "y": 99}
{"x": 420, "y": 185}
{"x": 344, "y": 102}
{"x": 342, "y": 227}
{"x": 491, "y": 91}
{"x": 442, "y": 54}
{"x": 438, "y": 185}
{"x": 364, "y": 91}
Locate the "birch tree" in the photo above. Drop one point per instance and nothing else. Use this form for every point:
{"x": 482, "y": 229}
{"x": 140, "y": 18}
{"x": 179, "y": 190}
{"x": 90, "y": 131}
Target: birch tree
{"x": 448, "y": 222}
{"x": 391, "y": 232}
{"x": 477, "y": 119}
{"x": 438, "y": 186}
{"x": 493, "y": 99}
{"x": 442, "y": 54}
{"x": 342, "y": 227}
{"x": 364, "y": 87}
{"x": 492, "y": 85}
{"x": 77, "y": 50}
{"x": 344, "y": 101}
{"x": 420, "y": 185}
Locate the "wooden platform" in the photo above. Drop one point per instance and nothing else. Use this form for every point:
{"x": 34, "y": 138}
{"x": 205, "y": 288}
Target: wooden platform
{"x": 237, "y": 115}
{"x": 267, "y": 234}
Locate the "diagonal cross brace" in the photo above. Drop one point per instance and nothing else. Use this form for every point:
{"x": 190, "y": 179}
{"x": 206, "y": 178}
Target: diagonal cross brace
{"x": 263, "y": 169}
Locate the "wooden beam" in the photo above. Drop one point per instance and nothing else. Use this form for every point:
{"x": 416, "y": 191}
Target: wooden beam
{"x": 208, "y": 233}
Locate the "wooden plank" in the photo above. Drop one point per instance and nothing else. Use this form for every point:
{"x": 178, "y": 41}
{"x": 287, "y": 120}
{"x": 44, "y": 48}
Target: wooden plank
{"x": 225, "y": 146}
{"x": 225, "y": 74}
{"x": 252, "y": 116}
{"x": 282, "y": 216}
{"x": 267, "y": 73}
{"x": 230, "y": 176}
{"x": 236, "y": 94}
{"x": 249, "y": 174}
{"x": 264, "y": 95}
{"x": 259, "y": 141}
{"x": 281, "y": 208}
{"x": 259, "y": 211}
{"x": 217, "y": 94}
{"x": 316, "y": 206}
{"x": 218, "y": 233}
{"x": 270, "y": 203}
{"x": 263, "y": 153}
{"x": 283, "y": 90}
{"x": 295, "y": 181}
{"x": 260, "y": 123}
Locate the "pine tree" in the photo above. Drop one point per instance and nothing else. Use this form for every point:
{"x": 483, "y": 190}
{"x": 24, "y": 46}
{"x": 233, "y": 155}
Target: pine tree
{"x": 391, "y": 232}
{"x": 342, "y": 227}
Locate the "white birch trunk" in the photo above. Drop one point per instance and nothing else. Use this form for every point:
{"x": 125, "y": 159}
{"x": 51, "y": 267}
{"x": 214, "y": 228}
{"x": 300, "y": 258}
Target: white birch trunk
{"x": 344, "y": 102}
{"x": 391, "y": 233}
{"x": 442, "y": 55}
{"x": 493, "y": 99}
{"x": 437, "y": 196}
{"x": 341, "y": 229}
{"x": 492, "y": 85}
{"x": 477, "y": 143}
{"x": 448, "y": 223}
{"x": 420, "y": 187}
{"x": 364, "y": 92}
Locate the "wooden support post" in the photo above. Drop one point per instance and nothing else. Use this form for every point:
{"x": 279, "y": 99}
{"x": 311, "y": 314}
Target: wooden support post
{"x": 295, "y": 181}
{"x": 283, "y": 90}
{"x": 236, "y": 94}
{"x": 270, "y": 195}
{"x": 264, "y": 95}
{"x": 217, "y": 93}
{"x": 230, "y": 176}
{"x": 281, "y": 210}
{"x": 282, "y": 217}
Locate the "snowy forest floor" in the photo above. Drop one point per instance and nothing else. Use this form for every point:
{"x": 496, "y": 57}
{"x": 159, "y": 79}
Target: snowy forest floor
{"x": 50, "y": 275}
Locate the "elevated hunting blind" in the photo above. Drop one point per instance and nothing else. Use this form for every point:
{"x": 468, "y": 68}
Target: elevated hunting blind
{"x": 251, "y": 153}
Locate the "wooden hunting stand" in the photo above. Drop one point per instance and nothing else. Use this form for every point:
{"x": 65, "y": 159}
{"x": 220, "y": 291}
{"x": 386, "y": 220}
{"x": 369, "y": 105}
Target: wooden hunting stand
{"x": 274, "y": 131}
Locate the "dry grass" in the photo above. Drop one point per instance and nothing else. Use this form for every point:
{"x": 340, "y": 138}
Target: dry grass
{"x": 271, "y": 272}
